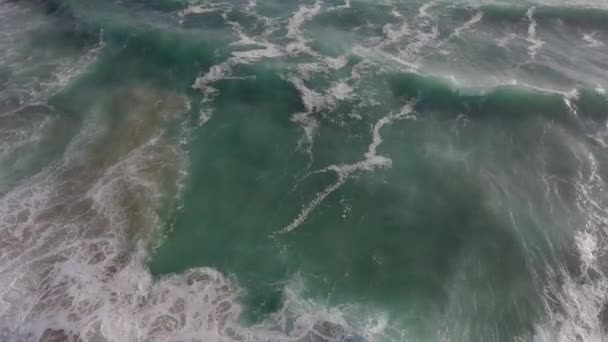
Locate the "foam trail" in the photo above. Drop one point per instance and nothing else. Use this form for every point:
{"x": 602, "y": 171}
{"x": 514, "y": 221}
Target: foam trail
{"x": 73, "y": 254}
{"x": 395, "y": 35}
{"x": 582, "y": 299}
{"x": 302, "y": 15}
{"x": 202, "y": 8}
{"x": 251, "y": 4}
{"x": 532, "y": 38}
{"x": 591, "y": 41}
{"x": 383, "y": 57}
{"x": 72, "y": 232}
{"x": 345, "y": 171}
{"x": 316, "y": 103}
{"x": 270, "y": 50}
{"x": 477, "y": 17}
{"x": 504, "y": 41}
{"x": 467, "y": 26}
{"x": 294, "y": 28}
{"x": 569, "y": 99}
{"x": 323, "y": 66}
{"x": 413, "y": 51}
{"x": 313, "y": 102}
{"x": 319, "y": 198}
{"x": 346, "y": 5}
{"x": 223, "y": 70}
{"x": 421, "y": 33}
{"x": 197, "y": 9}
{"x": 423, "y": 10}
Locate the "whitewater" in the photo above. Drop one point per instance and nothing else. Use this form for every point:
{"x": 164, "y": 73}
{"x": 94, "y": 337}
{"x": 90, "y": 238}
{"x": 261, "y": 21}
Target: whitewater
{"x": 338, "y": 170}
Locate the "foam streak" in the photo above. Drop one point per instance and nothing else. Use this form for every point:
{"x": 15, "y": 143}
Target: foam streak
{"x": 344, "y": 172}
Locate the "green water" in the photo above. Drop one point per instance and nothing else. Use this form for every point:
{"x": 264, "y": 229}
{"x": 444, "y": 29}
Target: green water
{"x": 303, "y": 171}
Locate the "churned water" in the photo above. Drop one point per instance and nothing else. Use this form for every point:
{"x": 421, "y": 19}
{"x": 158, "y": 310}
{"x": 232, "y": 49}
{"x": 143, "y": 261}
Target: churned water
{"x": 307, "y": 171}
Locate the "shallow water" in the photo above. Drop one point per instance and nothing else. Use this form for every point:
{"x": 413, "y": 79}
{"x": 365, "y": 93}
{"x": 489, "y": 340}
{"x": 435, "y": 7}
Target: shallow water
{"x": 268, "y": 170}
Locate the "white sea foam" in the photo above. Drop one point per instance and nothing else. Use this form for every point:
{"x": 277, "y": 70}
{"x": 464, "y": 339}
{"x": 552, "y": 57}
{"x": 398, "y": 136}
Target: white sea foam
{"x": 73, "y": 253}
{"x": 322, "y": 66}
{"x": 569, "y": 98}
{"x": 69, "y": 235}
{"x": 581, "y": 298}
{"x": 62, "y": 68}
{"x": 467, "y": 26}
{"x": 423, "y": 39}
{"x": 196, "y": 7}
{"x": 343, "y": 172}
{"x": 251, "y": 4}
{"x": 591, "y": 41}
{"x": 340, "y": 91}
{"x": 395, "y": 34}
{"x": 535, "y": 42}
{"x": 314, "y": 103}
{"x": 346, "y": 5}
{"x": 310, "y": 125}
{"x": 423, "y": 10}
{"x": 302, "y": 15}
{"x": 409, "y": 40}
{"x": 294, "y": 28}
{"x": 568, "y": 95}
{"x": 396, "y": 13}
{"x": 223, "y": 71}
{"x": 382, "y": 57}
{"x": 405, "y": 113}
{"x": 336, "y": 63}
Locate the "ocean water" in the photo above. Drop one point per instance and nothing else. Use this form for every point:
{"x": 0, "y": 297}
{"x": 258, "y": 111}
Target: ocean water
{"x": 304, "y": 170}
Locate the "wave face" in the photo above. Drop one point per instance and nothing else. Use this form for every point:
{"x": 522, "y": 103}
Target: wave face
{"x": 311, "y": 170}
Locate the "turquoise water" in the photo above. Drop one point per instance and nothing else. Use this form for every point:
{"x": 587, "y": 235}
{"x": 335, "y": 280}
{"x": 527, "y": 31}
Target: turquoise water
{"x": 303, "y": 170}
